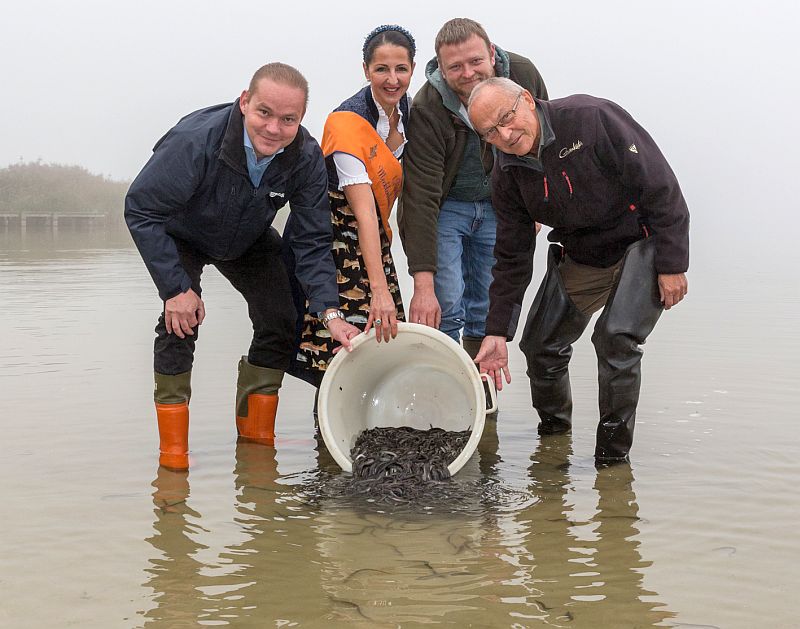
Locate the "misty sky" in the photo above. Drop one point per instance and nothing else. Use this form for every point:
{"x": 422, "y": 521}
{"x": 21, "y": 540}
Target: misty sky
{"x": 716, "y": 83}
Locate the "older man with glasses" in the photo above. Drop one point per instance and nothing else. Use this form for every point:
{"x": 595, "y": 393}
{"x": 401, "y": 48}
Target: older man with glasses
{"x": 620, "y": 234}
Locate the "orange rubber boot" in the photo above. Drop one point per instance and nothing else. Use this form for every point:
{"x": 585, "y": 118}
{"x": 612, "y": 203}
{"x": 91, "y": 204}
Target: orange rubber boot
{"x": 259, "y": 423}
{"x": 173, "y": 433}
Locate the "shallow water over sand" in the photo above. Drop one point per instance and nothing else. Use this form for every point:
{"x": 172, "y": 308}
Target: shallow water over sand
{"x": 699, "y": 530}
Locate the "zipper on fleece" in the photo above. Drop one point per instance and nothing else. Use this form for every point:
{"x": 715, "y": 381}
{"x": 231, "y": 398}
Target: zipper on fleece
{"x": 569, "y": 183}
{"x": 564, "y": 174}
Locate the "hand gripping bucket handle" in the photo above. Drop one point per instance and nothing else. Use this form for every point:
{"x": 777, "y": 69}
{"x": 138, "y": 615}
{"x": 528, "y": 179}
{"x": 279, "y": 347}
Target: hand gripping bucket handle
{"x": 491, "y": 400}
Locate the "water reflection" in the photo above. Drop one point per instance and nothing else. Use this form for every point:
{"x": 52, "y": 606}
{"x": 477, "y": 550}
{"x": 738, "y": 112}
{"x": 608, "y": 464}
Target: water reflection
{"x": 44, "y": 245}
{"x": 489, "y": 450}
{"x": 271, "y": 576}
{"x": 174, "y": 571}
{"x": 279, "y": 573}
{"x": 583, "y": 571}
{"x": 384, "y": 567}
{"x": 326, "y": 464}
{"x": 542, "y": 537}
{"x": 617, "y": 559}
{"x": 488, "y": 558}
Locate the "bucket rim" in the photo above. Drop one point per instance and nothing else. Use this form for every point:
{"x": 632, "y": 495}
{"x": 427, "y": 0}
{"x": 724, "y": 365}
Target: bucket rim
{"x": 343, "y": 458}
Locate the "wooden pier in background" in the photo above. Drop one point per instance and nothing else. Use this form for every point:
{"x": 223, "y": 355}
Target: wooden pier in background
{"x": 51, "y": 221}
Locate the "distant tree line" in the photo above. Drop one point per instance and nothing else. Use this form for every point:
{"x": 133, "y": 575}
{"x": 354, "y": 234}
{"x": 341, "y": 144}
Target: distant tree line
{"x": 35, "y": 187}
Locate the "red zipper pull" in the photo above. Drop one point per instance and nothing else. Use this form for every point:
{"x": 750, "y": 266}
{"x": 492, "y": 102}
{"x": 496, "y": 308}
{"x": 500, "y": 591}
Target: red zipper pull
{"x": 569, "y": 183}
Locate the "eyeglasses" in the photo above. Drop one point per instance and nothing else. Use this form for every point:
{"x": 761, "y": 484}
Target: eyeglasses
{"x": 506, "y": 119}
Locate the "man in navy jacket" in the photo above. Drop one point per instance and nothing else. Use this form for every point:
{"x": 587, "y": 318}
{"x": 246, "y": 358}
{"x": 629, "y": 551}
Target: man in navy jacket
{"x": 208, "y": 195}
{"x": 584, "y": 167}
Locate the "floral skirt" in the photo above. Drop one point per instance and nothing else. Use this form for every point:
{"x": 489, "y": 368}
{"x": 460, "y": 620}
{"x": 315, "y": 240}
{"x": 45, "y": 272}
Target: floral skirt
{"x": 316, "y": 345}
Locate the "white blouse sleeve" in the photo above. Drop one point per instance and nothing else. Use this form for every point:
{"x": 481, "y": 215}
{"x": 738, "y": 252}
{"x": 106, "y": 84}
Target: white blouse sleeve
{"x": 350, "y": 170}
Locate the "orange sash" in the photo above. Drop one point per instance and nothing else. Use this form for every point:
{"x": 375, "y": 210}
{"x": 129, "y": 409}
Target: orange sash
{"x": 349, "y": 133}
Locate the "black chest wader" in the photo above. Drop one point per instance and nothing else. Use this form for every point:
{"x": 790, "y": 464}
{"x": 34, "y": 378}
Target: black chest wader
{"x": 554, "y": 323}
{"x": 630, "y": 314}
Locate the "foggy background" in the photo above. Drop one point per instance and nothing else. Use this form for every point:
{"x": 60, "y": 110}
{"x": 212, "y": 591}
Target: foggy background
{"x": 716, "y": 83}
{"x": 95, "y": 84}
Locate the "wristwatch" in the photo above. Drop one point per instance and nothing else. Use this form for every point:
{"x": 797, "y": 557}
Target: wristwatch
{"x": 327, "y": 318}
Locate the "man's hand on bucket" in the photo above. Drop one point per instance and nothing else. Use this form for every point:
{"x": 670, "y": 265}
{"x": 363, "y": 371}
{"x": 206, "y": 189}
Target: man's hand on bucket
{"x": 493, "y": 359}
{"x": 342, "y": 332}
{"x": 425, "y": 308}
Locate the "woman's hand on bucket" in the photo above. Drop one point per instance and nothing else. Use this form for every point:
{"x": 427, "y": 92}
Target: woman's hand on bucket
{"x": 382, "y": 315}
{"x": 342, "y": 332}
{"x": 492, "y": 358}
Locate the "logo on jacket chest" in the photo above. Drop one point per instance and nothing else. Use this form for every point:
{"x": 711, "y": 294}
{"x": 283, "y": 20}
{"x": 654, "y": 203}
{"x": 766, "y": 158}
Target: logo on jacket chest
{"x": 569, "y": 149}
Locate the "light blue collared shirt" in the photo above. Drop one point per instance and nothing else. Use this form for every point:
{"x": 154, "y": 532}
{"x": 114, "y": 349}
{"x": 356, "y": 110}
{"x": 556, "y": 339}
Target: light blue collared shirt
{"x": 256, "y": 167}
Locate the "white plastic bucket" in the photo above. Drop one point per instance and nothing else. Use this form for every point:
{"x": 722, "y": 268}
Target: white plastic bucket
{"x": 421, "y": 379}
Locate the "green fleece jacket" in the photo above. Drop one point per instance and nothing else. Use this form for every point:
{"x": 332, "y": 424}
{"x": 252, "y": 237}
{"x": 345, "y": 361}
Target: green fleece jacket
{"x": 437, "y": 136}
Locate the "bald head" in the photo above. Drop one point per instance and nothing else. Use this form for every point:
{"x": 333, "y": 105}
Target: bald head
{"x": 502, "y": 112}
{"x": 496, "y": 84}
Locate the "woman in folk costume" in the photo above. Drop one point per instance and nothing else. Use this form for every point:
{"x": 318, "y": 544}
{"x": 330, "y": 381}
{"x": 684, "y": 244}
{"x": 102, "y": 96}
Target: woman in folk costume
{"x": 362, "y": 142}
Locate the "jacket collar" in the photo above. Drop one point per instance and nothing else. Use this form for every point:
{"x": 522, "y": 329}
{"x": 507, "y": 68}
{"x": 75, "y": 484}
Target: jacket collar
{"x": 372, "y": 108}
{"x": 232, "y": 149}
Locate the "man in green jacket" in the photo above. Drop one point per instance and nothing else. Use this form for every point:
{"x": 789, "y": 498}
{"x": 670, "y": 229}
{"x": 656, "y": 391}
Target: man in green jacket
{"x": 446, "y": 219}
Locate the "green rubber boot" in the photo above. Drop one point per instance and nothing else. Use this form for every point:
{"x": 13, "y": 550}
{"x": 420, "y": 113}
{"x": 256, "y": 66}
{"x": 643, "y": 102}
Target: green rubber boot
{"x": 171, "y": 394}
{"x": 257, "y": 402}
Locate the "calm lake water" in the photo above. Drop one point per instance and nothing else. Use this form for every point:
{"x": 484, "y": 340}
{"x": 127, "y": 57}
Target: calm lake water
{"x": 699, "y": 531}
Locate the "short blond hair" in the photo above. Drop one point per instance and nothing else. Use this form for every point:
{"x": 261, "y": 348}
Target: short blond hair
{"x": 457, "y": 31}
{"x": 280, "y": 73}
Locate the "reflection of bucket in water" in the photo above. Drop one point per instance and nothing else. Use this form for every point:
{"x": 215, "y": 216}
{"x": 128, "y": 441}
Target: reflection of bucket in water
{"x": 421, "y": 379}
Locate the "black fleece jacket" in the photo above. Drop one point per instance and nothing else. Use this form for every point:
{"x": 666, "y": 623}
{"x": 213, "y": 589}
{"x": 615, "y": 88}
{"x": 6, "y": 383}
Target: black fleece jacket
{"x": 603, "y": 184}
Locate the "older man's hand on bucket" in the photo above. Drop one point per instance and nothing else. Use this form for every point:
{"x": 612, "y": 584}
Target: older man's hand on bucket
{"x": 492, "y": 358}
